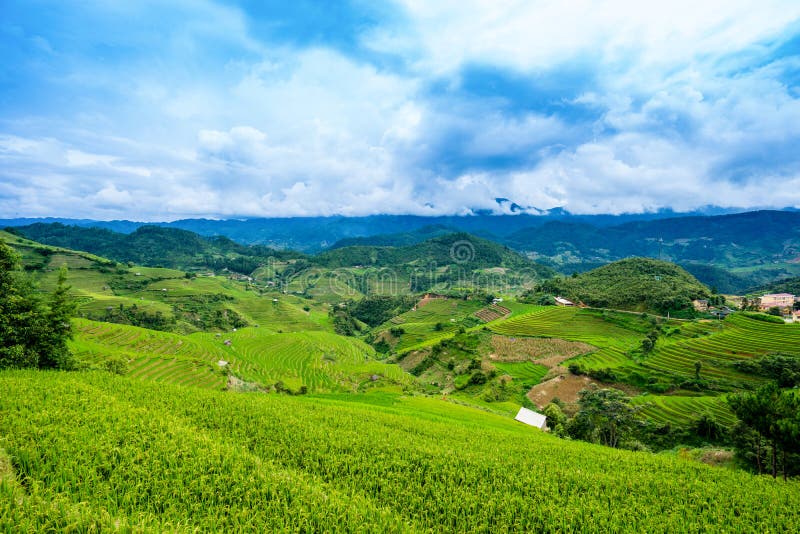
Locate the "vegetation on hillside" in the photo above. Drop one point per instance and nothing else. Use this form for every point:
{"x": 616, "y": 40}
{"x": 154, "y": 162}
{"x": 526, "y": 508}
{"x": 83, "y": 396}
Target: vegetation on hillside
{"x": 768, "y": 434}
{"x": 157, "y": 246}
{"x": 33, "y": 333}
{"x": 640, "y": 284}
{"x": 789, "y": 285}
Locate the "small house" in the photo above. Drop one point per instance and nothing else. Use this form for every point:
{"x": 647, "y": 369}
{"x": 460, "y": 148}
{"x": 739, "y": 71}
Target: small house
{"x": 529, "y": 417}
{"x": 561, "y": 301}
{"x": 700, "y": 305}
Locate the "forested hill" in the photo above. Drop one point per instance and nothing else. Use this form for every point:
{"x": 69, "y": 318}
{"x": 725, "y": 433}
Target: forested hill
{"x": 743, "y": 239}
{"x": 461, "y": 249}
{"x": 396, "y": 240}
{"x": 175, "y": 248}
{"x": 790, "y": 285}
{"x": 639, "y": 284}
{"x": 155, "y": 246}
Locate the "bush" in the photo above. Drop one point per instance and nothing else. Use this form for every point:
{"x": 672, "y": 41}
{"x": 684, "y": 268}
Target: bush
{"x": 118, "y": 366}
{"x": 763, "y": 317}
{"x": 477, "y": 378}
{"x": 576, "y": 369}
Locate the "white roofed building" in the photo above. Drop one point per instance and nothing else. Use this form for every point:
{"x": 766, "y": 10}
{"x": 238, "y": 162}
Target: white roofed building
{"x": 561, "y": 301}
{"x": 529, "y": 417}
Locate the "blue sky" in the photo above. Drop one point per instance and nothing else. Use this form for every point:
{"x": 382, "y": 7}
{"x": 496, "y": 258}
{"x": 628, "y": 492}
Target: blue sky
{"x": 165, "y": 110}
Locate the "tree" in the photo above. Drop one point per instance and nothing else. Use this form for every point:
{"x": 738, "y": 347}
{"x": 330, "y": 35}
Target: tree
{"x": 31, "y": 333}
{"x": 555, "y": 418}
{"x": 771, "y": 420}
{"x": 605, "y": 416}
{"x": 55, "y": 353}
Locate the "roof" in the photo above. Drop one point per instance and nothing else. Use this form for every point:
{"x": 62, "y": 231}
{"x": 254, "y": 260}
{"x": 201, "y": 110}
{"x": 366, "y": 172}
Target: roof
{"x": 785, "y": 295}
{"x": 562, "y": 300}
{"x": 529, "y": 417}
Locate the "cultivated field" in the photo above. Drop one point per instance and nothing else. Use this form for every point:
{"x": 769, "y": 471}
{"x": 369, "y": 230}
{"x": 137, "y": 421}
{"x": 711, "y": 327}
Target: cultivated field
{"x": 91, "y": 451}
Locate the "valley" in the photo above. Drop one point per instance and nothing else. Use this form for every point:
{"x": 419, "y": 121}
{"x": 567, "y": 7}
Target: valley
{"x": 456, "y": 331}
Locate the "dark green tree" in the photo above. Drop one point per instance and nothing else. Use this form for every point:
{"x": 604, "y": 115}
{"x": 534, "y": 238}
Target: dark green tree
{"x": 54, "y": 352}
{"x": 605, "y": 416}
{"x": 771, "y": 419}
{"x": 32, "y": 334}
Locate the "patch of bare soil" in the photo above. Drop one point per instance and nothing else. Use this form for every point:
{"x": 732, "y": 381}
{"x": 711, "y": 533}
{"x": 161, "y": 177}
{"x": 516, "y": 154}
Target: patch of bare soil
{"x": 412, "y": 359}
{"x": 565, "y": 387}
{"x": 541, "y": 350}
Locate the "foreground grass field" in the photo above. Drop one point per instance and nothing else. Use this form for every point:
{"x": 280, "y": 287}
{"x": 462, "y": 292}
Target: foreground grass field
{"x": 92, "y": 451}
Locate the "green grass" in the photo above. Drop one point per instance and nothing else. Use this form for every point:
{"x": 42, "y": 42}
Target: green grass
{"x": 527, "y": 372}
{"x": 91, "y": 451}
{"x": 320, "y": 361}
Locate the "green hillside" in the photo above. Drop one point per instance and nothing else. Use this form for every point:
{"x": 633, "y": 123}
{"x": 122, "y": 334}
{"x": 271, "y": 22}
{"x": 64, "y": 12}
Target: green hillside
{"x": 156, "y": 246}
{"x": 89, "y": 452}
{"x": 310, "y": 361}
{"x": 639, "y": 284}
{"x": 670, "y": 366}
{"x": 396, "y": 240}
{"x": 461, "y": 249}
{"x": 455, "y": 261}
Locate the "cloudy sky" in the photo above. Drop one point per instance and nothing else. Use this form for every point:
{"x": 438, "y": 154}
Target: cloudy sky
{"x": 151, "y": 110}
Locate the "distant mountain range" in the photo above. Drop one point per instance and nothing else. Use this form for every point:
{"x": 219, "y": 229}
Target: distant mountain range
{"x": 313, "y": 234}
{"x": 732, "y": 252}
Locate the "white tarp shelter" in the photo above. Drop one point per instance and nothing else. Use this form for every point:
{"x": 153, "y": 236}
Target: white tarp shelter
{"x": 529, "y": 417}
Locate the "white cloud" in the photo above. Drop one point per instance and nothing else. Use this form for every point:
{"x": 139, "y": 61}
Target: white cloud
{"x": 540, "y": 34}
{"x": 687, "y": 109}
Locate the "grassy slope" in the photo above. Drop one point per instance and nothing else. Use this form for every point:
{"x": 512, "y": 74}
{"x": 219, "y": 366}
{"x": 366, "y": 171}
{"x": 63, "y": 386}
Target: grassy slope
{"x": 715, "y": 345}
{"x": 320, "y": 361}
{"x": 97, "y": 451}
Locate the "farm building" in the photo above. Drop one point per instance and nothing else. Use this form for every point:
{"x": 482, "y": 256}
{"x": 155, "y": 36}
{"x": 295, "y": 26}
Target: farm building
{"x": 561, "y": 301}
{"x": 776, "y": 300}
{"x": 700, "y": 305}
{"x": 529, "y": 417}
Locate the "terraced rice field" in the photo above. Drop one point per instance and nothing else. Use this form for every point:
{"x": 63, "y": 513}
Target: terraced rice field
{"x": 152, "y": 355}
{"x": 91, "y": 452}
{"x": 420, "y": 324}
{"x": 574, "y": 324}
{"x": 683, "y": 410}
{"x": 320, "y": 361}
{"x": 492, "y": 313}
{"x": 286, "y": 315}
{"x": 714, "y": 344}
{"x": 738, "y": 338}
{"x": 528, "y": 373}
